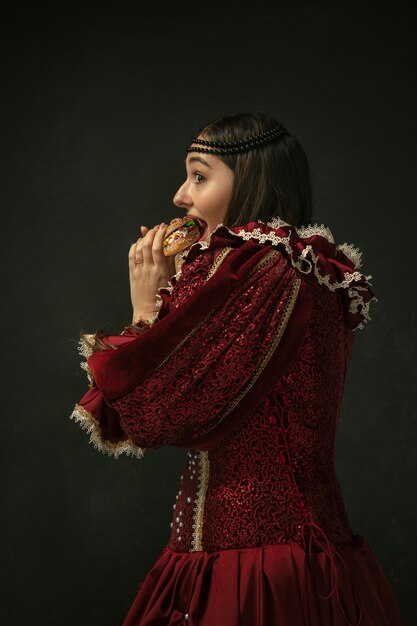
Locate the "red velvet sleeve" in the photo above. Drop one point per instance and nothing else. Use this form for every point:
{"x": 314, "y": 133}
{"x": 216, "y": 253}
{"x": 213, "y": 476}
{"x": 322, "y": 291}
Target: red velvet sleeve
{"x": 219, "y": 371}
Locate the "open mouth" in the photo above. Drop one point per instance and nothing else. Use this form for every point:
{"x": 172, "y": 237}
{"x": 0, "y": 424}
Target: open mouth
{"x": 200, "y": 223}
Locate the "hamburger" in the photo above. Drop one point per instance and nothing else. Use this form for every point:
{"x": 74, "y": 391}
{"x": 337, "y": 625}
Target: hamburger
{"x": 181, "y": 233}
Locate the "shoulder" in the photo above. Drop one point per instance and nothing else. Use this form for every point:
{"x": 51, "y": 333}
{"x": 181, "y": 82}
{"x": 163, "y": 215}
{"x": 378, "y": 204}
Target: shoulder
{"x": 310, "y": 250}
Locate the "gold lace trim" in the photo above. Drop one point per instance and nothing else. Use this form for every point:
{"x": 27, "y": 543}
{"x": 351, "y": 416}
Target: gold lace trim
{"x": 352, "y": 252}
{"x": 200, "y": 501}
{"x": 218, "y": 262}
{"x": 88, "y": 423}
{"x": 85, "y": 348}
{"x": 271, "y": 254}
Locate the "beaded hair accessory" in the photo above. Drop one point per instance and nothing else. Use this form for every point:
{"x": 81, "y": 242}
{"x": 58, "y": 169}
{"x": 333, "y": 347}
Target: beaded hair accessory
{"x": 240, "y": 145}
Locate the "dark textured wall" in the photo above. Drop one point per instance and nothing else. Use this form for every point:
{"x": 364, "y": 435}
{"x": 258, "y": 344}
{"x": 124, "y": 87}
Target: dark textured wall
{"x": 98, "y": 106}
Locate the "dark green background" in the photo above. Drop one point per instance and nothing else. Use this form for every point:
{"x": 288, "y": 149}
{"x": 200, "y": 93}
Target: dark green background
{"x": 98, "y": 105}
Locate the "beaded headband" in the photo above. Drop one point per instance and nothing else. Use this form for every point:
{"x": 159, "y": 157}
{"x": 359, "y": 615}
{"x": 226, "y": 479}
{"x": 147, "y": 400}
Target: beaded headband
{"x": 240, "y": 145}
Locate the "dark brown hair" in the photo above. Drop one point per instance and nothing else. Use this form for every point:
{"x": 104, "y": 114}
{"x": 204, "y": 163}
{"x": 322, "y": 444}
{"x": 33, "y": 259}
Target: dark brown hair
{"x": 271, "y": 181}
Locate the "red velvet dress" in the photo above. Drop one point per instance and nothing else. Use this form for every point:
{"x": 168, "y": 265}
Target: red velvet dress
{"x": 244, "y": 368}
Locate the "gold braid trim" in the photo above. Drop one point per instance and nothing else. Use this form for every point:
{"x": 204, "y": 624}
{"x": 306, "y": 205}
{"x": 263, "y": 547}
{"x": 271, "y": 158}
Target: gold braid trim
{"x": 271, "y": 254}
{"x": 289, "y": 305}
{"x": 201, "y": 499}
{"x": 218, "y": 262}
{"x": 266, "y": 259}
{"x": 87, "y": 422}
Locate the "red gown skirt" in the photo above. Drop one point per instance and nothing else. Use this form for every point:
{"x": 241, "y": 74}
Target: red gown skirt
{"x": 272, "y": 585}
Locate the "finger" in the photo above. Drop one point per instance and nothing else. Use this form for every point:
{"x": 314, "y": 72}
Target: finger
{"x": 139, "y": 240}
{"x": 147, "y": 247}
{"x": 135, "y": 259}
{"x": 138, "y": 248}
{"x": 135, "y": 250}
{"x": 131, "y": 254}
{"x": 157, "y": 249}
{"x": 144, "y": 230}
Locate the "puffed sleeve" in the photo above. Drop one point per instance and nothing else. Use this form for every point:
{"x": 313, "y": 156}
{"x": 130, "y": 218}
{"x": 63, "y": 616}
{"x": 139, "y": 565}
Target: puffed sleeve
{"x": 233, "y": 343}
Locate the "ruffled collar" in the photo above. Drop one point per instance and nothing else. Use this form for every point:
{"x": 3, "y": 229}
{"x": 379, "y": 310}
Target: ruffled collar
{"x": 310, "y": 249}
{"x": 277, "y": 231}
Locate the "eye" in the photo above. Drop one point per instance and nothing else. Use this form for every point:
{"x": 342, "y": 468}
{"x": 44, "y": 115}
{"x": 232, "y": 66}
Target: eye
{"x": 201, "y": 178}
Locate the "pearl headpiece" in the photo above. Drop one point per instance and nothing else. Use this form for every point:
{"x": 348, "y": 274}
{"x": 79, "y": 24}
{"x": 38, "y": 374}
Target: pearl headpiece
{"x": 240, "y": 145}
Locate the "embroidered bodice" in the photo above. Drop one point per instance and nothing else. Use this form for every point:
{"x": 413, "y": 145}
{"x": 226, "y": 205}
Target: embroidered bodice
{"x": 252, "y": 391}
{"x": 274, "y": 474}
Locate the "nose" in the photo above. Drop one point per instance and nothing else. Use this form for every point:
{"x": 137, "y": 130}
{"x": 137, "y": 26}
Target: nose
{"x": 182, "y": 198}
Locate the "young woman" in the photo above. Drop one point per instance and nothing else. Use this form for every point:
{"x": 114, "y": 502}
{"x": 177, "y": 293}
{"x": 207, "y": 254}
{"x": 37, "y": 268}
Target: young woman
{"x": 240, "y": 358}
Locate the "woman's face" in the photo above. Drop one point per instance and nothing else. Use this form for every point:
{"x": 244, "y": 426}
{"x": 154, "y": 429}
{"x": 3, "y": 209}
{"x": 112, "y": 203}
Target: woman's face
{"x": 207, "y": 191}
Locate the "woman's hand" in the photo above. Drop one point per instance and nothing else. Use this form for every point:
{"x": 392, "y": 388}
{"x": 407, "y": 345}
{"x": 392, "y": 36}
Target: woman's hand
{"x": 149, "y": 269}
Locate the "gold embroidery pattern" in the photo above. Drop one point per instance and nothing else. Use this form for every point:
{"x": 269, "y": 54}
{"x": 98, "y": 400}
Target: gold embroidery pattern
{"x": 289, "y": 305}
{"x": 218, "y": 262}
{"x": 204, "y": 462}
{"x": 265, "y": 260}
{"x": 88, "y": 423}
